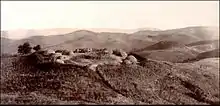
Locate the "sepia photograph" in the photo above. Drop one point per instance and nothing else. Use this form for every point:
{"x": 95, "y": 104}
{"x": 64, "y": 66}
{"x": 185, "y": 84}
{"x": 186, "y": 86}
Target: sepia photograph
{"x": 110, "y": 53}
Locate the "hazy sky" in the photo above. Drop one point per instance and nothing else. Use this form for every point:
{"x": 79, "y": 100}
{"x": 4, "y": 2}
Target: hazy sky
{"x": 108, "y": 14}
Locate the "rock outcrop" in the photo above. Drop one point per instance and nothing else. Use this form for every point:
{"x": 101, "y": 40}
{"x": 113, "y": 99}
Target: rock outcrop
{"x": 127, "y": 62}
{"x": 120, "y": 52}
{"x": 132, "y": 59}
{"x": 90, "y": 59}
{"x": 59, "y": 61}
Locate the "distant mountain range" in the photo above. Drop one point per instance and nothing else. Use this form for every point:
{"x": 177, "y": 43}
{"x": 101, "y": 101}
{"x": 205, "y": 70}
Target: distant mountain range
{"x": 108, "y": 38}
{"x": 24, "y": 33}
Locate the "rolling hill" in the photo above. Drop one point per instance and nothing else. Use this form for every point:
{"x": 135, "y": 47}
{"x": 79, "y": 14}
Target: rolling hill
{"x": 208, "y": 54}
{"x": 137, "y": 40}
{"x": 205, "y": 45}
{"x": 24, "y": 33}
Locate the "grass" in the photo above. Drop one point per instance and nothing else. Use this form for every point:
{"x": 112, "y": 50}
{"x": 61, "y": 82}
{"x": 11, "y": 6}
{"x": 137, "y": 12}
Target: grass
{"x": 149, "y": 82}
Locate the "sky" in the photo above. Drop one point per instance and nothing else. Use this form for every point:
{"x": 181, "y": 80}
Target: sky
{"x": 108, "y": 14}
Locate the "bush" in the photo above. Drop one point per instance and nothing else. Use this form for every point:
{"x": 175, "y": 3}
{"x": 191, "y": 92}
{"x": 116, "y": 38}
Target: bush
{"x": 25, "y": 48}
{"x": 37, "y": 48}
{"x": 65, "y": 52}
{"x": 116, "y": 52}
{"x": 58, "y": 51}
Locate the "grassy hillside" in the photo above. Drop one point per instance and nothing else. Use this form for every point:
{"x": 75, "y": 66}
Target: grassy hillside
{"x": 148, "y": 82}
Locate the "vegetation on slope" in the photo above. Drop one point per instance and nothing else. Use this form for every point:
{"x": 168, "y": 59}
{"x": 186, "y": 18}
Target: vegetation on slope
{"x": 148, "y": 82}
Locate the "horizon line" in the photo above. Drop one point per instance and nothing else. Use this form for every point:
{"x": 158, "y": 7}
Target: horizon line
{"x": 106, "y": 28}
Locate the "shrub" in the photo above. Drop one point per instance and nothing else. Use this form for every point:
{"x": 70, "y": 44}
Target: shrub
{"x": 58, "y": 51}
{"x": 65, "y": 52}
{"x": 37, "y": 48}
{"x": 25, "y": 48}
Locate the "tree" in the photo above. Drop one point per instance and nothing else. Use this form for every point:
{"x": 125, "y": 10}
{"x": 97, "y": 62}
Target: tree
{"x": 25, "y": 48}
{"x": 37, "y": 48}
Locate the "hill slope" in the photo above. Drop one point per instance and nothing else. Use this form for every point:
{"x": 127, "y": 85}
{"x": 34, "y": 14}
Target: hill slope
{"x": 150, "y": 82}
{"x": 208, "y": 54}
